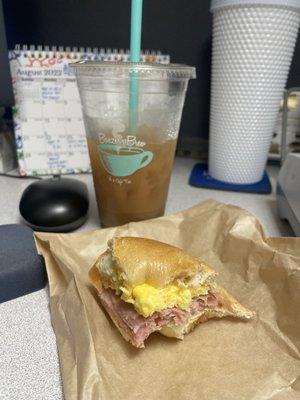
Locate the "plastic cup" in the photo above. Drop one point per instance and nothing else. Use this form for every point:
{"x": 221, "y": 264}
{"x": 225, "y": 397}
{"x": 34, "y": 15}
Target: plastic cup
{"x": 253, "y": 44}
{"x": 131, "y": 170}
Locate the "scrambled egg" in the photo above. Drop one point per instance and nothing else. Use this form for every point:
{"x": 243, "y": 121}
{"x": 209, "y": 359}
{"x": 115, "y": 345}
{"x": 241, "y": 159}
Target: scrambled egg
{"x": 147, "y": 299}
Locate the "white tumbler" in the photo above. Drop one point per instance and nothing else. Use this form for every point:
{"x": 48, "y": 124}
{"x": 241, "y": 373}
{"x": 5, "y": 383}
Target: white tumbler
{"x": 253, "y": 45}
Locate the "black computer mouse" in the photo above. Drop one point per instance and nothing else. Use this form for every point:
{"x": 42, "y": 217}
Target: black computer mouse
{"x": 55, "y": 205}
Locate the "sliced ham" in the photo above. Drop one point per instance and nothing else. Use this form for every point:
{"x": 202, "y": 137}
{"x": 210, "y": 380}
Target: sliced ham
{"x": 139, "y": 328}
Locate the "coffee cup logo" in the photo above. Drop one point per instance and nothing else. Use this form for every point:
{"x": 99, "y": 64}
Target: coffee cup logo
{"x": 121, "y": 160}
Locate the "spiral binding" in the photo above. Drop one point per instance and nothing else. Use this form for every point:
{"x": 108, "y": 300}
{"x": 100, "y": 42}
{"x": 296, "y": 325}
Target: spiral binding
{"x": 88, "y": 53}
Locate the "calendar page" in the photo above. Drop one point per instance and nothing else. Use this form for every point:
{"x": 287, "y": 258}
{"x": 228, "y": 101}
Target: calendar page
{"x": 48, "y": 121}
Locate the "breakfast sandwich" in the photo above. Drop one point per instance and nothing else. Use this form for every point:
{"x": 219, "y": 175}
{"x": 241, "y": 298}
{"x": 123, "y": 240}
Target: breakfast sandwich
{"x": 147, "y": 286}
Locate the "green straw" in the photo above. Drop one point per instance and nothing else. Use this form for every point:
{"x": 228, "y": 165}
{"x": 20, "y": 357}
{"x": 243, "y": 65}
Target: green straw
{"x": 135, "y": 56}
{"x": 136, "y": 30}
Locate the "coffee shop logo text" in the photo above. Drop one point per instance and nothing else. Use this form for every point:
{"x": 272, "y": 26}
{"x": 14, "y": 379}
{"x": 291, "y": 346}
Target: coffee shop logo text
{"x": 129, "y": 140}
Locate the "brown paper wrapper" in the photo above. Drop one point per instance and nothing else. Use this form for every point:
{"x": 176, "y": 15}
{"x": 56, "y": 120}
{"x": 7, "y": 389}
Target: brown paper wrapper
{"x": 220, "y": 359}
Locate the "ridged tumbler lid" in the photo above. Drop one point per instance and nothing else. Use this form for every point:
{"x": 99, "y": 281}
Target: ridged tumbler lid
{"x": 218, "y": 4}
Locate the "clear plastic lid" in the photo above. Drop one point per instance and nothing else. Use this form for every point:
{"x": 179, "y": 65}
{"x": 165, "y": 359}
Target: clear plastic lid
{"x": 123, "y": 70}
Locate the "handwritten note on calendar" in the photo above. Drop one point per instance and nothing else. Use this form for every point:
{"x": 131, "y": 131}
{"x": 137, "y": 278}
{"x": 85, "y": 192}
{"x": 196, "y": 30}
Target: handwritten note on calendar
{"x": 48, "y": 121}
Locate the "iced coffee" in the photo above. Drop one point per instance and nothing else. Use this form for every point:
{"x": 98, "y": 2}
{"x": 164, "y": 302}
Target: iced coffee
{"x": 131, "y": 135}
{"x": 131, "y": 176}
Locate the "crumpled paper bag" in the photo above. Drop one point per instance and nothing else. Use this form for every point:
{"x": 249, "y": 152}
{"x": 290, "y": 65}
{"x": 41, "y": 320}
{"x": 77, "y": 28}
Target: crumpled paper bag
{"x": 221, "y": 359}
